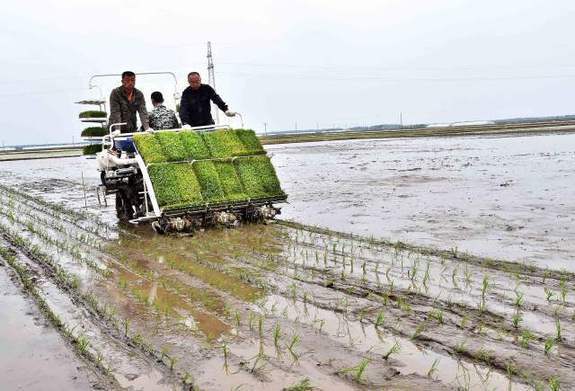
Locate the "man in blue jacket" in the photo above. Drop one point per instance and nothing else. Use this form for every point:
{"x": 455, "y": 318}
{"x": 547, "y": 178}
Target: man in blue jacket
{"x": 195, "y": 105}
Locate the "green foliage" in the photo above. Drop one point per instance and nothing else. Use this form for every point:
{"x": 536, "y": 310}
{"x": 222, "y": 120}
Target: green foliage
{"x": 194, "y": 144}
{"x": 209, "y": 181}
{"x": 175, "y": 185}
{"x": 92, "y": 149}
{"x": 149, "y": 148}
{"x": 94, "y": 131}
{"x": 259, "y": 177}
{"x": 92, "y": 114}
{"x": 230, "y": 181}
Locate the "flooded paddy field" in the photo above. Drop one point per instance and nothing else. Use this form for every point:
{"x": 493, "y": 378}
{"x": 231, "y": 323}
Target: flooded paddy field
{"x": 378, "y": 299}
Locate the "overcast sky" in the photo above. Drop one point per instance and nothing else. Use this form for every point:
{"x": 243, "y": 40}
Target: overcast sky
{"x": 314, "y": 63}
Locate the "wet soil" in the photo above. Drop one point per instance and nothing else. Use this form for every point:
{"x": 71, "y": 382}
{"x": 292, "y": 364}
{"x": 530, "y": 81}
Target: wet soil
{"x": 499, "y": 197}
{"x": 33, "y": 355}
{"x": 268, "y": 306}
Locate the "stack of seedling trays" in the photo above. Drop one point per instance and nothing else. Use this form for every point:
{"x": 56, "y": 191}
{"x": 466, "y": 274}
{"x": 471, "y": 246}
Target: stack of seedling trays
{"x": 208, "y": 171}
{"x": 96, "y": 119}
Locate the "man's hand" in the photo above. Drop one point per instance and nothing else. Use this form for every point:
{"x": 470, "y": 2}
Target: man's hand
{"x": 230, "y": 113}
{"x": 186, "y": 126}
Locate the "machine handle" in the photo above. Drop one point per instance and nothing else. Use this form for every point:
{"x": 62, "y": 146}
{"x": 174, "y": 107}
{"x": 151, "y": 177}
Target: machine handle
{"x": 117, "y": 124}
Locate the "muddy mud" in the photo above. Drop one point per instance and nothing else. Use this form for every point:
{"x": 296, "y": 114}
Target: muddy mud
{"x": 377, "y": 305}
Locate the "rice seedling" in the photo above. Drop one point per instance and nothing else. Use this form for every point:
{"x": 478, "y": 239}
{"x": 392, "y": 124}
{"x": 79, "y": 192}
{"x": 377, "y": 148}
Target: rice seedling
{"x": 549, "y": 344}
{"x": 461, "y": 347}
{"x": 293, "y": 344}
{"x": 510, "y": 369}
{"x": 516, "y": 319}
{"x": 558, "y": 336}
{"x": 549, "y": 294}
{"x": 358, "y": 370}
{"x": 433, "y": 369}
{"x": 484, "y": 289}
{"x": 226, "y": 351}
{"x": 563, "y": 289}
{"x": 467, "y": 274}
{"x": 238, "y": 319}
{"x": 485, "y": 356}
{"x": 395, "y": 348}
{"x": 519, "y": 298}
{"x": 419, "y": 329}
{"x": 321, "y": 324}
{"x": 454, "y": 278}
{"x": 426, "y": 276}
{"x": 554, "y": 384}
{"x": 525, "y": 338}
{"x": 303, "y": 385}
{"x": 82, "y": 343}
{"x": 380, "y": 320}
{"x": 412, "y": 273}
{"x": 403, "y": 304}
{"x": 172, "y": 362}
{"x": 387, "y": 274}
{"x": 437, "y": 314}
{"x": 126, "y": 323}
{"x": 277, "y": 334}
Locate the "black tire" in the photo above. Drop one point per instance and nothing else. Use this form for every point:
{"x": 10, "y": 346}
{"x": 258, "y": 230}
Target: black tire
{"x": 124, "y": 209}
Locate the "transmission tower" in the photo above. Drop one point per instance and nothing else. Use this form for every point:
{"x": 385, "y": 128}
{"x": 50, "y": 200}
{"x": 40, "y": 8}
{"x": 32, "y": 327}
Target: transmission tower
{"x": 212, "y": 77}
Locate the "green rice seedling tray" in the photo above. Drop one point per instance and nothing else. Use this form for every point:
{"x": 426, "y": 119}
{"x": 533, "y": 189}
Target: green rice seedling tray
{"x": 258, "y": 177}
{"x": 209, "y": 180}
{"x": 175, "y": 184}
{"x": 91, "y": 149}
{"x": 92, "y": 114}
{"x": 192, "y": 171}
{"x": 94, "y": 131}
{"x": 150, "y": 148}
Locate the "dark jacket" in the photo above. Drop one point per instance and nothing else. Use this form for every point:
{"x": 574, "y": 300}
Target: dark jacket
{"x": 122, "y": 110}
{"x": 195, "y": 107}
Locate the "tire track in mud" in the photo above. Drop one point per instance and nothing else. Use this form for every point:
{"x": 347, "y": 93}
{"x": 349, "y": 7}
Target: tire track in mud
{"x": 277, "y": 272}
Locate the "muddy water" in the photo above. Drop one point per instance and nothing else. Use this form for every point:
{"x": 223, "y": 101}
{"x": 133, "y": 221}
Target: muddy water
{"x": 265, "y": 307}
{"x": 503, "y": 197}
{"x": 32, "y": 355}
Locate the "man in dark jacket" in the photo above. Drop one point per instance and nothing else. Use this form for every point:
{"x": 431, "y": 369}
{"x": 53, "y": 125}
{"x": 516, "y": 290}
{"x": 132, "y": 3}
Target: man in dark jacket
{"x": 125, "y": 101}
{"x": 195, "y": 107}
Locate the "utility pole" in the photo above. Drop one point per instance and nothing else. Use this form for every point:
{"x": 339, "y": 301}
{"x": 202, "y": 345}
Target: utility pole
{"x": 401, "y": 120}
{"x": 266, "y": 128}
{"x": 212, "y": 77}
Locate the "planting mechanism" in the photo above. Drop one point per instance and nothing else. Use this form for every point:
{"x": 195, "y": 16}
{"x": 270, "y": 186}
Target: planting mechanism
{"x": 180, "y": 180}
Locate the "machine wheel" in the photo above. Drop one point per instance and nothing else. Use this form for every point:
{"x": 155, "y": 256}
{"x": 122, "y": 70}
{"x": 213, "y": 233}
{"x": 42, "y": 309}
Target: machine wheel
{"x": 124, "y": 209}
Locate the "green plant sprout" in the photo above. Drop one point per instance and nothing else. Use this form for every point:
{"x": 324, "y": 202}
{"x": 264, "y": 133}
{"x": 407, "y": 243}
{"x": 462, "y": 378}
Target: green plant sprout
{"x": 433, "y": 369}
{"x": 380, "y": 320}
{"x": 549, "y": 344}
{"x": 395, "y": 348}
{"x": 294, "y": 342}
